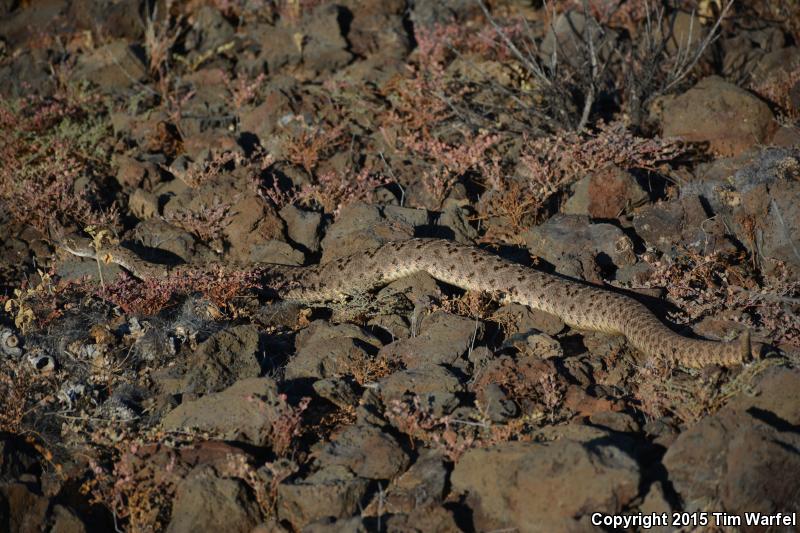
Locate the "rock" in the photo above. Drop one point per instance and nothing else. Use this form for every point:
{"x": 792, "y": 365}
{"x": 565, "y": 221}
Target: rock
{"x": 109, "y": 18}
{"x": 605, "y": 193}
{"x": 682, "y": 31}
{"x": 172, "y": 242}
{"x": 443, "y": 339}
{"x": 320, "y": 330}
{"x": 27, "y": 70}
{"x": 683, "y": 221}
{"x": 543, "y": 345}
{"x": 16, "y": 22}
{"x": 775, "y": 64}
{"x": 395, "y": 325}
{"x": 275, "y": 251}
{"x": 572, "y": 245}
{"x": 786, "y": 136}
{"x": 768, "y": 193}
{"x": 337, "y": 391}
{"x": 331, "y": 492}
{"x": 271, "y": 526}
{"x": 279, "y": 48}
{"x": 656, "y": 503}
{"x": 454, "y": 219}
{"x": 565, "y": 37}
{"x": 361, "y": 227}
{"x": 206, "y": 120}
{"x": 309, "y": 46}
{"x": 418, "y": 290}
{"x": 603, "y": 345}
{"x": 366, "y": 451}
{"x": 615, "y": 421}
{"x": 422, "y": 485}
{"x": 332, "y": 525}
{"x": 756, "y": 198}
{"x": 730, "y": 119}
{"x": 303, "y": 227}
{"x": 430, "y": 519}
{"x": 134, "y": 173}
{"x": 521, "y": 319}
{"x": 547, "y": 486}
{"x": 251, "y": 222}
{"x": 325, "y": 351}
{"x": 744, "y": 52}
{"x": 244, "y": 412}
{"x": 25, "y": 511}
{"x": 586, "y": 403}
{"x": 430, "y": 13}
{"x": 378, "y": 28}
{"x": 206, "y": 502}
{"x": 532, "y": 382}
{"x": 219, "y": 361}
{"x": 325, "y": 49}
{"x": 420, "y": 381}
{"x": 143, "y": 204}
{"x": 66, "y": 521}
{"x": 408, "y": 216}
{"x": 262, "y": 119}
{"x": 224, "y": 209}
{"x": 112, "y": 66}
{"x": 209, "y": 30}
{"x": 738, "y": 458}
{"x": 496, "y": 404}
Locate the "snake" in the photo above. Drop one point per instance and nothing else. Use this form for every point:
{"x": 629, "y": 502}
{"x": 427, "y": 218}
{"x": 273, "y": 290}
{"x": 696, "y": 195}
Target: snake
{"x": 578, "y": 304}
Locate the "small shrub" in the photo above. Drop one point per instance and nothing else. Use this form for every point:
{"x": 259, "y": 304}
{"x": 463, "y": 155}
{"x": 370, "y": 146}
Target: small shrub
{"x": 333, "y": 190}
{"x": 778, "y": 87}
{"x": 550, "y": 164}
{"x": 151, "y": 296}
{"x": 48, "y": 147}
{"x": 287, "y": 426}
{"x": 445, "y": 163}
{"x": 207, "y": 222}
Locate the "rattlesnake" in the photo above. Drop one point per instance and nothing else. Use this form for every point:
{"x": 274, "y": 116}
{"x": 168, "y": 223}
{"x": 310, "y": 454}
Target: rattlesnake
{"x": 578, "y": 304}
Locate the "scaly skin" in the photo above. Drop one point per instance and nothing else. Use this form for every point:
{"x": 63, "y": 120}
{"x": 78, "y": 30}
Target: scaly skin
{"x": 579, "y": 305}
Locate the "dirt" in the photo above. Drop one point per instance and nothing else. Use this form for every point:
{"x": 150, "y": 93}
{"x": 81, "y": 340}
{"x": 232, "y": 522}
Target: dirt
{"x": 654, "y": 153}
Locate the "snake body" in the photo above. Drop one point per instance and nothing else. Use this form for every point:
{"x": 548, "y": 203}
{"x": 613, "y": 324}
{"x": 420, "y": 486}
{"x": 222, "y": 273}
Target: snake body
{"x": 578, "y": 304}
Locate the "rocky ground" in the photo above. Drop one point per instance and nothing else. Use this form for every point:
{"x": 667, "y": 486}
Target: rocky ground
{"x": 653, "y": 149}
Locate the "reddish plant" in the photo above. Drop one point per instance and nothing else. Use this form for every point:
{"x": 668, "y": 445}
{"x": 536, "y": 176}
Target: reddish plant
{"x": 150, "y": 296}
{"x": 333, "y": 190}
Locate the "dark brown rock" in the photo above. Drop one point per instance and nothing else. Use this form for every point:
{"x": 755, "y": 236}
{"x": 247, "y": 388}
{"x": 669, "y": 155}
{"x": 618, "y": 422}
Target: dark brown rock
{"x": 576, "y": 247}
{"x": 327, "y": 351}
{"x": 112, "y": 66}
{"x": 443, "y": 338}
{"x": 729, "y": 118}
{"x": 331, "y": 492}
{"x": 244, "y": 412}
{"x": 422, "y": 380}
{"x": 205, "y": 501}
{"x": 219, "y": 361}
{"x": 740, "y": 458}
{"x": 605, "y": 193}
{"x": 26, "y": 510}
{"x": 546, "y": 486}
{"x": 365, "y": 450}
{"x": 303, "y": 227}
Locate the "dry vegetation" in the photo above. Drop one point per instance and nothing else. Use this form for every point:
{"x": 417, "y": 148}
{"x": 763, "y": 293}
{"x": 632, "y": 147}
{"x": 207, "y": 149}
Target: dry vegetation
{"x": 497, "y": 121}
